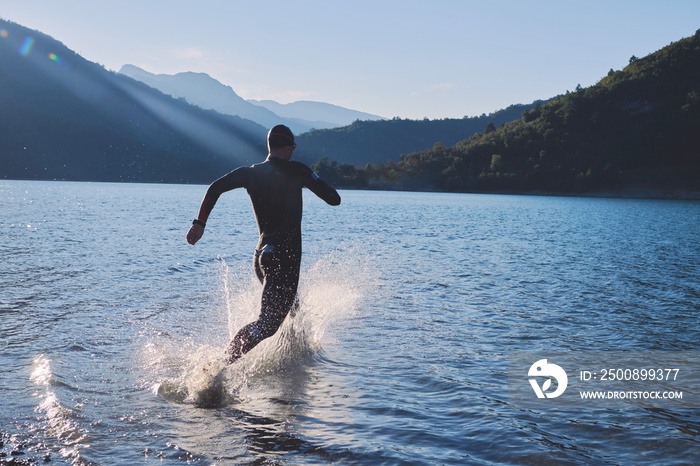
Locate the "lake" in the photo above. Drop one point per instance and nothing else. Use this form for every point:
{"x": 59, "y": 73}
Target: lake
{"x": 420, "y": 316}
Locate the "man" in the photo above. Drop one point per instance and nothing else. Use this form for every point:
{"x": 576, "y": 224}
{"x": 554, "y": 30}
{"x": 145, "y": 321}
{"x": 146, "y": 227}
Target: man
{"x": 274, "y": 187}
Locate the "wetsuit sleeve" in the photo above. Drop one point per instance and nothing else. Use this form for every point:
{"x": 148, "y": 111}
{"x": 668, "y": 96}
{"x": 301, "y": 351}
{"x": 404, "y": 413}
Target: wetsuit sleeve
{"x": 238, "y": 178}
{"x": 320, "y": 187}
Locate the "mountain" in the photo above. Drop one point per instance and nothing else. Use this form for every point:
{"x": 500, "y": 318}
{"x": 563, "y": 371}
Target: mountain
{"x": 203, "y": 90}
{"x": 635, "y": 132}
{"x": 365, "y": 142}
{"x": 318, "y": 115}
{"x": 63, "y": 117}
{"x": 206, "y": 92}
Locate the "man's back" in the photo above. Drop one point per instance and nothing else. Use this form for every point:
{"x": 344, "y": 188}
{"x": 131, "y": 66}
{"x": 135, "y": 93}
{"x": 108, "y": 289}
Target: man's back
{"x": 275, "y": 191}
{"x": 274, "y": 187}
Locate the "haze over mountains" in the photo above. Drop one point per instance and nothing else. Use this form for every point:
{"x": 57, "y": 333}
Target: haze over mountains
{"x": 333, "y": 115}
{"x": 63, "y": 117}
{"x": 204, "y": 91}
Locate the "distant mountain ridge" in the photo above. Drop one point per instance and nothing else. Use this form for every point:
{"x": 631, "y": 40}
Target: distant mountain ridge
{"x": 309, "y": 111}
{"x": 204, "y": 91}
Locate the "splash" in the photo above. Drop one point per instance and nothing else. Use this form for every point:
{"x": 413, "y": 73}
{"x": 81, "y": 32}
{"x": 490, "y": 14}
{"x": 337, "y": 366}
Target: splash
{"x": 330, "y": 292}
{"x": 201, "y": 382}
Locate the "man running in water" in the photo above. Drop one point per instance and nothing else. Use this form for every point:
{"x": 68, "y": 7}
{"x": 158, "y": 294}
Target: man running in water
{"x": 274, "y": 187}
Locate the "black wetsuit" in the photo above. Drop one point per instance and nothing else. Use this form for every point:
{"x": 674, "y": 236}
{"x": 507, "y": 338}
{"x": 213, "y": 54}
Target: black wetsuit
{"x": 275, "y": 189}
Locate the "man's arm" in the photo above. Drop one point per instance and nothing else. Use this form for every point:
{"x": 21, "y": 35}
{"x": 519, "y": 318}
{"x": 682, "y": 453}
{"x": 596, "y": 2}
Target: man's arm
{"x": 323, "y": 190}
{"x": 320, "y": 187}
{"x": 235, "y": 179}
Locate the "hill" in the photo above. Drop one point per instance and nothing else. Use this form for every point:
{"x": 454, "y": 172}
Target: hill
{"x": 637, "y": 129}
{"x": 364, "y": 142}
{"x": 63, "y": 117}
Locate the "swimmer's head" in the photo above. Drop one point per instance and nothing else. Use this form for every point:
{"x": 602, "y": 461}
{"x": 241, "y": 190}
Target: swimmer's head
{"x": 280, "y": 136}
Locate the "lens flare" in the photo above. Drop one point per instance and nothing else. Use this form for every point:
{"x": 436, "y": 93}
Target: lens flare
{"x": 54, "y": 57}
{"x": 4, "y": 33}
{"x": 27, "y": 46}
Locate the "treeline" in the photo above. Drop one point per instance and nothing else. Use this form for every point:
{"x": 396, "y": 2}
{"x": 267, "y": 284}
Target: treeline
{"x": 636, "y": 128}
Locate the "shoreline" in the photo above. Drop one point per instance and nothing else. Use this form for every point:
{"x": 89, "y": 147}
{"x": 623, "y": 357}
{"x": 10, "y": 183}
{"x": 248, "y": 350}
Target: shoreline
{"x": 676, "y": 194}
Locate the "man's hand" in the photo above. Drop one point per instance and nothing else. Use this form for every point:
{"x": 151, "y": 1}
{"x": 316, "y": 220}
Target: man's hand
{"x": 195, "y": 234}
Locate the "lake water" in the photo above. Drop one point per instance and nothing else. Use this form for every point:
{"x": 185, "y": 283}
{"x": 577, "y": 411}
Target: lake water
{"x": 411, "y": 306}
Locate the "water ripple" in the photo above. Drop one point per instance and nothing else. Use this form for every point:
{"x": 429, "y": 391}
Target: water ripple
{"x": 412, "y": 304}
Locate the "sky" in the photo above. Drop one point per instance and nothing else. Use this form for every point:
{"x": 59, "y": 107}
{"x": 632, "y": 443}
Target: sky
{"x": 393, "y": 58}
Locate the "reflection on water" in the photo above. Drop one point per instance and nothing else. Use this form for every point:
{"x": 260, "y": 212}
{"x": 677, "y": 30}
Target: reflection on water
{"x": 61, "y": 421}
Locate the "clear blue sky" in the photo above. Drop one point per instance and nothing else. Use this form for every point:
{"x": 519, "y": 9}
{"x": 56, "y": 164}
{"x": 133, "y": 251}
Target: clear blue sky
{"x": 406, "y": 58}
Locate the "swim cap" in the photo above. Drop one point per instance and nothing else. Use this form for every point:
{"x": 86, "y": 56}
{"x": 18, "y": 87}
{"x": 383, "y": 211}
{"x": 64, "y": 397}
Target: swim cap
{"x": 280, "y": 136}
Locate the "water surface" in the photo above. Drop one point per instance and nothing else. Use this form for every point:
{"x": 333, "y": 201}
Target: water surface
{"x": 411, "y": 305}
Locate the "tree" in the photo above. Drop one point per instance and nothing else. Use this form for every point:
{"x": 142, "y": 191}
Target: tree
{"x": 496, "y": 163}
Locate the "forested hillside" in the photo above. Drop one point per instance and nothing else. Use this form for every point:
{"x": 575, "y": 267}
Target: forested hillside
{"x": 366, "y": 142}
{"x": 636, "y": 129}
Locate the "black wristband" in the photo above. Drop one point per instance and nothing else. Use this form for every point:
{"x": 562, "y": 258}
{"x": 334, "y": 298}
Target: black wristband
{"x": 199, "y": 222}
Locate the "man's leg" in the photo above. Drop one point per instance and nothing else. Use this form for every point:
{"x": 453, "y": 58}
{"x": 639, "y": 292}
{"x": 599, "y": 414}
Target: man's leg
{"x": 280, "y": 283}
